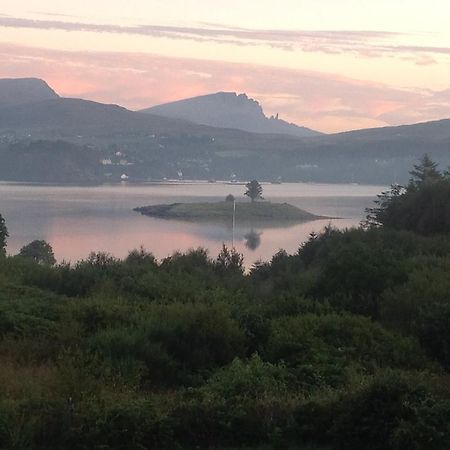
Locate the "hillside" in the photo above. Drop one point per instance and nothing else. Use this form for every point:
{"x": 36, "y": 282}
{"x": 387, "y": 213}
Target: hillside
{"x": 155, "y": 147}
{"x": 50, "y": 162}
{"x": 433, "y": 130}
{"x": 229, "y": 110}
{"x": 24, "y": 90}
{"x": 77, "y": 116}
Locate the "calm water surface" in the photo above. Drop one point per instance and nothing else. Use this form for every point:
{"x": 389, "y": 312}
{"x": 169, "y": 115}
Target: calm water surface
{"x": 78, "y": 220}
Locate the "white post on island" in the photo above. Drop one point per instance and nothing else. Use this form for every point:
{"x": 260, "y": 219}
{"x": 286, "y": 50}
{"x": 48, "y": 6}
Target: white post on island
{"x": 234, "y": 220}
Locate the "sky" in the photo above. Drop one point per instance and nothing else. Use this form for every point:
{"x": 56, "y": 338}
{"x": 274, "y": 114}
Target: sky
{"x": 331, "y": 65}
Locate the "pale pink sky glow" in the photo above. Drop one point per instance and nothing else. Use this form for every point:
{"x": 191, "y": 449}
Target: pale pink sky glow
{"x": 324, "y": 64}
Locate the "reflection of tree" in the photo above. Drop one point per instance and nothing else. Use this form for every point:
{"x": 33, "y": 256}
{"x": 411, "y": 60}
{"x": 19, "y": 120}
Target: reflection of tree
{"x": 252, "y": 239}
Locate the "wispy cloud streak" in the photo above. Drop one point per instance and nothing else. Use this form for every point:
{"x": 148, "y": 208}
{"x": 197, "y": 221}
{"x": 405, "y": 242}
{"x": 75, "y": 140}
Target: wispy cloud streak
{"x": 365, "y": 43}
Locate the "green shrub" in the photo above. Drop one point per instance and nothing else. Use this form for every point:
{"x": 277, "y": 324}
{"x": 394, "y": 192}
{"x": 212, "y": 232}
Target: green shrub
{"x": 178, "y": 343}
{"x": 389, "y": 412}
{"x": 328, "y": 349}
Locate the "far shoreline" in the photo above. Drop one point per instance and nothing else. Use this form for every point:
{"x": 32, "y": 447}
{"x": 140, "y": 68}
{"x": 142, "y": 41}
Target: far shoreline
{"x": 181, "y": 183}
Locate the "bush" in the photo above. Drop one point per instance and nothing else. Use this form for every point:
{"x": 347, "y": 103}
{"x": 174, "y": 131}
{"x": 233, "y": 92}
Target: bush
{"x": 253, "y": 378}
{"x": 247, "y": 402}
{"x": 329, "y": 350}
{"x": 39, "y": 251}
{"x": 389, "y": 412}
{"x": 178, "y": 343}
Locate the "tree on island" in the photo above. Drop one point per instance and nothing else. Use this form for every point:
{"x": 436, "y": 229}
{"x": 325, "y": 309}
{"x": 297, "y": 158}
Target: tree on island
{"x": 3, "y": 235}
{"x": 39, "y": 251}
{"x": 254, "y": 190}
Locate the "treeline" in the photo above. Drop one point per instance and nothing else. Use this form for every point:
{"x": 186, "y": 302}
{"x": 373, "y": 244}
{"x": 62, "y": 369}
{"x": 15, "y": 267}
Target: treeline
{"x": 343, "y": 345}
{"x": 43, "y": 161}
{"x": 67, "y": 157}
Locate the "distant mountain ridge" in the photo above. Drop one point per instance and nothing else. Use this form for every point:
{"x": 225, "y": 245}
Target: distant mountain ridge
{"x": 20, "y": 91}
{"x": 74, "y": 118}
{"x": 229, "y": 110}
{"x": 35, "y": 129}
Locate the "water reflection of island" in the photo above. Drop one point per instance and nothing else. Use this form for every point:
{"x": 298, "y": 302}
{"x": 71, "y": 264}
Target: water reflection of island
{"x": 253, "y": 239}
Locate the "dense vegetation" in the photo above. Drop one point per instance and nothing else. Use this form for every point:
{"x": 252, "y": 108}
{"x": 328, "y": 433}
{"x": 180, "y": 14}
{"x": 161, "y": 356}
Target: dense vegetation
{"x": 422, "y": 206}
{"x": 49, "y": 162}
{"x": 343, "y": 345}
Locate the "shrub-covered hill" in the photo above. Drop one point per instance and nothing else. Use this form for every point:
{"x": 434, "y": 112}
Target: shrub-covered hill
{"x": 343, "y": 345}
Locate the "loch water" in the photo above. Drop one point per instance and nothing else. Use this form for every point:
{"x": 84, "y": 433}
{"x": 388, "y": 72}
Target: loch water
{"x": 77, "y": 220}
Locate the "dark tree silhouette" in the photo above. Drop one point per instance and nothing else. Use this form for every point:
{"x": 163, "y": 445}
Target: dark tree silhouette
{"x": 376, "y": 216}
{"x": 422, "y": 206}
{"x": 425, "y": 171}
{"x": 229, "y": 260}
{"x": 39, "y": 251}
{"x": 229, "y": 198}
{"x": 252, "y": 239}
{"x": 3, "y": 235}
{"x": 254, "y": 190}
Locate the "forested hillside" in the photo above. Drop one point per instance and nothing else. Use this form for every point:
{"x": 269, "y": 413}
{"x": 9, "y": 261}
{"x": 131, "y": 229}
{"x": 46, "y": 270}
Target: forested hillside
{"x": 153, "y": 147}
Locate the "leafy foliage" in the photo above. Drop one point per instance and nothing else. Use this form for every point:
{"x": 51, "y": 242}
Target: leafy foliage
{"x": 3, "y": 235}
{"x": 344, "y": 345}
{"x": 39, "y": 251}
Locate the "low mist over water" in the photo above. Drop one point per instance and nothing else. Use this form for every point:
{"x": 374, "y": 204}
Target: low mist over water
{"x": 78, "y": 220}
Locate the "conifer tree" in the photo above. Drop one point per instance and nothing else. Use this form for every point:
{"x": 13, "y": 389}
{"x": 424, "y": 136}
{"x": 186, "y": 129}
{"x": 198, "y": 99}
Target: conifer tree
{"x": 254, "y": 190}
{"x": 425, "y": 171}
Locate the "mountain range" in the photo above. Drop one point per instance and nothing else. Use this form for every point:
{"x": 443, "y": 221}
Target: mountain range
{"x": 229, "y": 110}
{"x": 216, "y": 136}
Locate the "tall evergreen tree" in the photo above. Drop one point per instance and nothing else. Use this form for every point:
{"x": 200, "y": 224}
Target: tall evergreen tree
{"x": 377, "y": 215}
{"x": 423, "y": 206}
{"x": 254, "y": 190}
{"x": 425, "y": 171}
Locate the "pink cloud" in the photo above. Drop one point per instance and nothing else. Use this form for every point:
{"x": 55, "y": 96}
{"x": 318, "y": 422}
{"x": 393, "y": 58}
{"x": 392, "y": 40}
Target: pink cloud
{"x": 322, "y": 101}
{"x": 366, "y": 43}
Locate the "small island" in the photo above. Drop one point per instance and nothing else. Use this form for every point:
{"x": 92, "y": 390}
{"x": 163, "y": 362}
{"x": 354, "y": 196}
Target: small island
{"x": 222, "y": 211}
{"x": 256, "y": 210}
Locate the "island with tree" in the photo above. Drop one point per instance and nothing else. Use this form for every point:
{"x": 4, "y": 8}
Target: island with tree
{"x": 257, "y": 210}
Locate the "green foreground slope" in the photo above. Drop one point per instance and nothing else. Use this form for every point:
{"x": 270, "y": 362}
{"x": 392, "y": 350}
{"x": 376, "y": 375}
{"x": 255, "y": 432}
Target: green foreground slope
{"x": 313, "y": 348}
{"x": 343, "y": 345}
